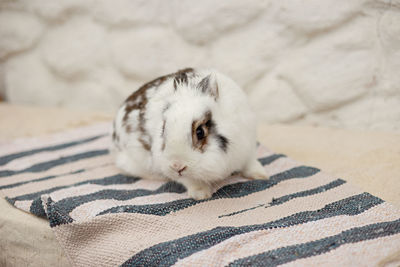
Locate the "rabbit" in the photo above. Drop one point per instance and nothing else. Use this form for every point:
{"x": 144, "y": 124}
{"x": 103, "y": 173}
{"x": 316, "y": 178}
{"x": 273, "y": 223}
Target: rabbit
{"x": 194, "y": 127}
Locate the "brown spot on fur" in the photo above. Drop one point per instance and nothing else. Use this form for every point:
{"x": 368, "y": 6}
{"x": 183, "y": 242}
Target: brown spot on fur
{"x": 206, "y": 124}
{"x": 142, "y": 130}
{"x": 115, "y": 137}
{"x": 163, "y": 135}
{"x": 163, "y": 146}
{"x": 138, "y": 101}
{"x": 129, "y": 128}
{"x": 181, "y": 77}
{"x": 163, "y": 128}
{"x": 146, "y": 145}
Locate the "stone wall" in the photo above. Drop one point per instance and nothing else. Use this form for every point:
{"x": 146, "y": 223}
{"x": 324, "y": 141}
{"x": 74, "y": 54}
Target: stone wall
{"x": 324, "y": 62}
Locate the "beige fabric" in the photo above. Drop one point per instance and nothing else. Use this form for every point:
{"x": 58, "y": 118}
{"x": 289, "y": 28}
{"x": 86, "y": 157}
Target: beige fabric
{"x": 18, "y": 121}
{"x": 26, "y": 240}
{"x": 369, "y": 160}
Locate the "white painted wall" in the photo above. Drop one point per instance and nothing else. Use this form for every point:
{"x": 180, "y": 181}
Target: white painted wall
{"x": 324, "y": 62}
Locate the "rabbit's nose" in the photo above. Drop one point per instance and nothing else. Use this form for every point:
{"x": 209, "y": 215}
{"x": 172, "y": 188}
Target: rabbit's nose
{"x": 178, "y": 167}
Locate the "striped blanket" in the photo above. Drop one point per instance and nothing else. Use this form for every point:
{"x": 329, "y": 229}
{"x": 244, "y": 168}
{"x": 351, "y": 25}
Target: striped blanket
{"x": 299, "y": 217}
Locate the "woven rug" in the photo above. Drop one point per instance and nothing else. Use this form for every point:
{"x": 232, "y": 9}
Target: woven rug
{"x": 299, "y": 217}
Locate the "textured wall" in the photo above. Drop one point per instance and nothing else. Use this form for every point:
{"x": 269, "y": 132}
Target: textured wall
{"x": 325, "y": 62}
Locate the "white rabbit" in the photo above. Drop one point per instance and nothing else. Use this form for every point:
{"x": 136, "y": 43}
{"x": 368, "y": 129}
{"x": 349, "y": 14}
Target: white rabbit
{"x": 193, "y": 126}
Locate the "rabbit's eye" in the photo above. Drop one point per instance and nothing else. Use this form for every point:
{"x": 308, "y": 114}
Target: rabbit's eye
{"x": 200, "y": 133}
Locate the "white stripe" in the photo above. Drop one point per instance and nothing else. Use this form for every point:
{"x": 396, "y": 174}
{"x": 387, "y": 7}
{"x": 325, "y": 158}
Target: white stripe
{"x": 280, "y": 165}
{"x": 24, "y": 205}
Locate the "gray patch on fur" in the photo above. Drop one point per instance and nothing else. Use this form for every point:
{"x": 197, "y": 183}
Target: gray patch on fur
{"x": 223, "y": 142}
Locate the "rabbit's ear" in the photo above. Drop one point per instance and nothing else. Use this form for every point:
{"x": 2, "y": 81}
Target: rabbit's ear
{"x": 209, "y": 85}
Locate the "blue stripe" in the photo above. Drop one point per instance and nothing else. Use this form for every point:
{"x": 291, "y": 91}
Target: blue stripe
{"x": 115, "y": 179}
{"x": 291, "y": 253}
{"x": 56, "y": 215}
{"x": 268, "y": 160}
{"x": 40, "y": 179}
{"x": 5, "y": 159}
{"x": 286, "y": 198}
{"x": 44, "y": 166}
